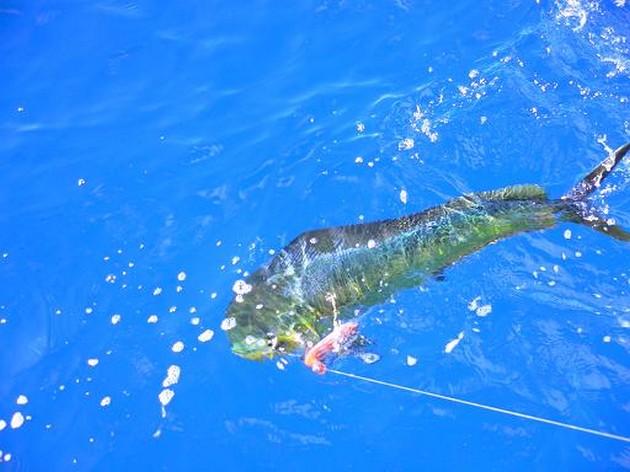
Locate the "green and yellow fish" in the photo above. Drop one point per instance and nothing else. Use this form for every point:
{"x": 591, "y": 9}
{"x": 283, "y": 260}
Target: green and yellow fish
{"x": 286, "y": 306}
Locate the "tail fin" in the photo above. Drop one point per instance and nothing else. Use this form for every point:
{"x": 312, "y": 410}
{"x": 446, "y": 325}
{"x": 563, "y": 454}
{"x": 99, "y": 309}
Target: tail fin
{"x": 576, "y": 197}
{"x": 593, "y": 180}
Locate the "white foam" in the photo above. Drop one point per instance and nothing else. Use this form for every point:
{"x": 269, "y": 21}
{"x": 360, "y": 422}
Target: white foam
{"x": 403, "y": 196}
{"x": 17, "y": 420}
{"x": 166, "y": 396}
{"x": 206, "y": 336}
{"x": 172, "y": 376}
{"x": 228, "y": 323}
{"x": 453, "y": 343}
{"x": 241, "y": 287}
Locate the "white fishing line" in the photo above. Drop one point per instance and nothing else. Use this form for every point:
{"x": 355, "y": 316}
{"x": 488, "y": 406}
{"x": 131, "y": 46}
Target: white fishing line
{"x": 525, "y": 416}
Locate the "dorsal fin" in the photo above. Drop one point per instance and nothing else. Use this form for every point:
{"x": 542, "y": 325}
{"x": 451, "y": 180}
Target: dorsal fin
{"x": 515, "y": 192}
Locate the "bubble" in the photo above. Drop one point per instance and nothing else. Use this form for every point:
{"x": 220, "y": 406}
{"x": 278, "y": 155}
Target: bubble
{"x": 241, "y": 287}
{"x": 181, "y": 276}
{"x": 483, "y": 310}
{"x": 406, "y": 144}
{"x": 172, "y": 376}
{"x": 452, "y": 344}
{"x": 166, "y": 396}
{"x": 206, "y": 336}
{"x": 369, "y": 357}
{"x": 17, "y": 420}
{"x": 228, "y": 323}
{"x": 472, "y": 306}
{"x": 403, "y": 196}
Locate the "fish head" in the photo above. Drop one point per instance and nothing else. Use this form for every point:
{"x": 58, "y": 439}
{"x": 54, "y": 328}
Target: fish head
{"x": 260, "y": 322}
{"x": 261, "y": 346}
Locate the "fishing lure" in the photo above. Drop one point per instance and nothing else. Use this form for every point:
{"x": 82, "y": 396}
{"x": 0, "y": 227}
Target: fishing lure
{"x": 334, "y": 342}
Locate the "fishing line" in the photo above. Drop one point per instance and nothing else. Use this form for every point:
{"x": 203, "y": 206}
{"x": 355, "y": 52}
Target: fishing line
{"x": 482, "y": 406}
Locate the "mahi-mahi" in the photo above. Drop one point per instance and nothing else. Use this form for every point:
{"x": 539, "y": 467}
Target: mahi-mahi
{"x": 288, "y": 305}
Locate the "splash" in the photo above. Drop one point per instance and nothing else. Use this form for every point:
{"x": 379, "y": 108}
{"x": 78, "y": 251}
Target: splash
{"x": 574, "y": 13}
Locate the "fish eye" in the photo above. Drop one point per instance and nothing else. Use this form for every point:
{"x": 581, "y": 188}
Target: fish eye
{"x": 272, "y": 340}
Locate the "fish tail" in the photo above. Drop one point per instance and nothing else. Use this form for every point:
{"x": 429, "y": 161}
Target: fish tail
{"x": 576, "y": 199}
{"x": 594, "y": 179}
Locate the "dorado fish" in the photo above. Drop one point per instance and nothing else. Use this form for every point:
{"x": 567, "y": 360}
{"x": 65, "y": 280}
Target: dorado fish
{"x": 296, "y": 303}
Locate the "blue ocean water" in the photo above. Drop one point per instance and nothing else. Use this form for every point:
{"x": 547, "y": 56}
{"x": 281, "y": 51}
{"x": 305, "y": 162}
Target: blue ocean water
{"x": 155, "y": 152}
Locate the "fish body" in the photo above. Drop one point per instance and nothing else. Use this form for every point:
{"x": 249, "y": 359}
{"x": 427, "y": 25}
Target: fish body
{"x": 287, "y": 305}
